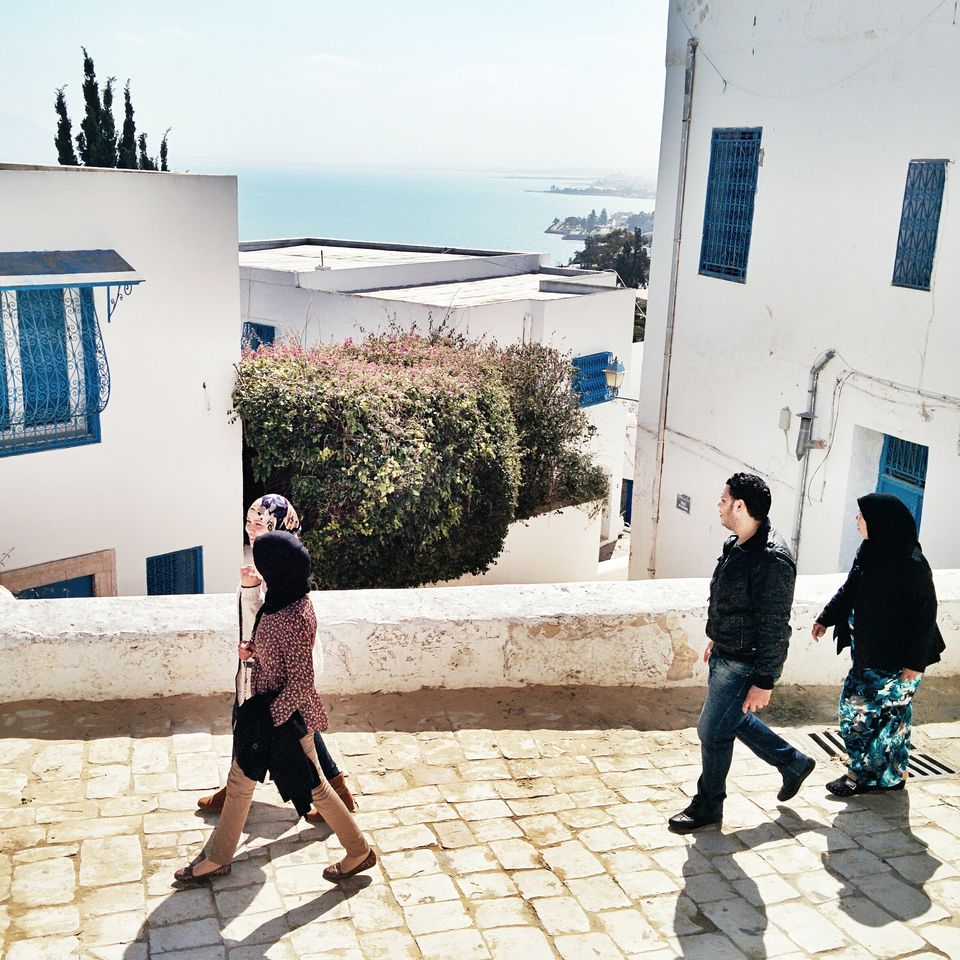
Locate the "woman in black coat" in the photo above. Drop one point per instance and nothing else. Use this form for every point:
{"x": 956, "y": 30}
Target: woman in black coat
{"x": 886, "y": 612}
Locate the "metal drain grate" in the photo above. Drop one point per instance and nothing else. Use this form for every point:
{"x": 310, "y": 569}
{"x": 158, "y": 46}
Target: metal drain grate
{"x": 829, "y": 744}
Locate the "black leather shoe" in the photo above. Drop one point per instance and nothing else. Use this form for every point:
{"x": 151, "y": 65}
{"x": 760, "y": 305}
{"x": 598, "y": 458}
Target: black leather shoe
{"x": 791, "y": 785}
{"x": 687, "y": 822}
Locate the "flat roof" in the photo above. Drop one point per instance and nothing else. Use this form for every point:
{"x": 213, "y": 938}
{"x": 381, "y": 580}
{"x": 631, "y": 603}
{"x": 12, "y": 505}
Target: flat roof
{"x": 465, "y": 293}
{"x": 308, "y": 256}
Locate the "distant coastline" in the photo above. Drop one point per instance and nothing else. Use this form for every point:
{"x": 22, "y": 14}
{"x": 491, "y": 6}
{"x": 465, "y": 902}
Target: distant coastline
{"x": 600, "y": 192}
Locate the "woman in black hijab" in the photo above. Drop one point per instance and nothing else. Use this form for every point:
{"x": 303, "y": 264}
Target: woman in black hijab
{"x": 886, "y": 612}
{"x": 276, "y": 726}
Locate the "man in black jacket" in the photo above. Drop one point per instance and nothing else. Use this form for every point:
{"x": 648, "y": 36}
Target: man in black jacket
{"x": 748, "y": 625}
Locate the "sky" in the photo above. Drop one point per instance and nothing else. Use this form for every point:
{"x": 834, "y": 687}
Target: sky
{"x": 415, "y": 84}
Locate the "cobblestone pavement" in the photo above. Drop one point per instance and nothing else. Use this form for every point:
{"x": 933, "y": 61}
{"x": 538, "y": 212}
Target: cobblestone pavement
{"x": 511, "y": 824}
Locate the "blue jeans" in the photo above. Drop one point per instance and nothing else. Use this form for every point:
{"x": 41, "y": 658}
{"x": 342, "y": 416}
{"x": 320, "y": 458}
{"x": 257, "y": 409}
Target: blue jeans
{"x": 327, "y": 764}
{"x": 721, "y": 721}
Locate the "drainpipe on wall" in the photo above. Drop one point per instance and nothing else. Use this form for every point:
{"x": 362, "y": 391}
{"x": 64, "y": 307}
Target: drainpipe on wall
{"x": 672, "y": 299}
{"x": 805, "y": 445}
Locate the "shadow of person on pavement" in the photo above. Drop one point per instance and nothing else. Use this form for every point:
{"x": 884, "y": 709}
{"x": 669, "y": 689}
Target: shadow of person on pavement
{"x": 871, "y": 893}
{"x": 243, "y": 909}
{"x": 722, "y": 899}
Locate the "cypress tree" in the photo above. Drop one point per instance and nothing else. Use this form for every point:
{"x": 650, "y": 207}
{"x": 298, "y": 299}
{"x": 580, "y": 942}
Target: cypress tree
{"x": 88, "y": 140}
{"x": 145, "y": 162}
{"x": 63, "y": 141}
{"x": 163, "y": 150}
{"x": 127, "y": 153}
{"x": 108, "y": 129}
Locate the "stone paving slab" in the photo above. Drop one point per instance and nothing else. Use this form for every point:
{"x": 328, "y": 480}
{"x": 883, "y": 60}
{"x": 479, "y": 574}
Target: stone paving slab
{"x": 510, "y": 824}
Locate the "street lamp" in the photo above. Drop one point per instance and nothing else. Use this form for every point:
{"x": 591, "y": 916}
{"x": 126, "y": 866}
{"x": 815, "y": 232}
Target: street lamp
{"x": 614, "y": 375}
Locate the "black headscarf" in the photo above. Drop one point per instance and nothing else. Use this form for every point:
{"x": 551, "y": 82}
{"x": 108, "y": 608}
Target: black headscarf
{"x": 891, "y": 529}
{"x": 283, "y": 562}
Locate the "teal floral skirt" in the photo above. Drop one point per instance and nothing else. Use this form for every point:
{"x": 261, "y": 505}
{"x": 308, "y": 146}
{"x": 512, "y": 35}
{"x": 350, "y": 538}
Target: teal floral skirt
{"x": 876, "y": 710}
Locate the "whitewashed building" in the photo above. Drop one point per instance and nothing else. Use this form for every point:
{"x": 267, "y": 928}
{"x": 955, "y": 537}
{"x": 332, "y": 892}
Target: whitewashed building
{"x": 321, "y": 290}
{"x": 119, "y": 466}
{"x": 803, "y": 314}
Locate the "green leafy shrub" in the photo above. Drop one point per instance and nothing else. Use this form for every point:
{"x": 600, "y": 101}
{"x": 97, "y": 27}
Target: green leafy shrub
{"x": 552, "y": 430}
{"x": 400, "y": 454}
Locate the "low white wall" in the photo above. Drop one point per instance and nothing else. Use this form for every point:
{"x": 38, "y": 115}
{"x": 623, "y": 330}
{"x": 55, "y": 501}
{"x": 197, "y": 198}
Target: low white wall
{"x": 557, "y": 547}
{"x": 639, "y": 633}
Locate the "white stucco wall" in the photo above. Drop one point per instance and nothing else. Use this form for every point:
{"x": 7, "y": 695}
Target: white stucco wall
{"x": 556, "y": 547}
{"x": 166, "y": 474}
{"x": 648, "y": 634}
{"x": 846, "y": 104}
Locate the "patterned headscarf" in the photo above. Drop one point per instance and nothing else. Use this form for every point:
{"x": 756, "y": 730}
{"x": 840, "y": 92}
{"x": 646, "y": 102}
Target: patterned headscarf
{"x": 278, "y": 513}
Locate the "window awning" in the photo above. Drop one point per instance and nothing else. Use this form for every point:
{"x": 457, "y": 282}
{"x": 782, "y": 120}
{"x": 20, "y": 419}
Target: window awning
{"x": 65, "y": 268}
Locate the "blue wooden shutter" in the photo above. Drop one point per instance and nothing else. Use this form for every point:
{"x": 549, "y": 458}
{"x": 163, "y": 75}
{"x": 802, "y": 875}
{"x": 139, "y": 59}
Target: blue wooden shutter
{"x": 43, "y": 356}
{"x": 919, "y": 224}
{"x": 728, "y": 213}
{"x": 178, "y": 572}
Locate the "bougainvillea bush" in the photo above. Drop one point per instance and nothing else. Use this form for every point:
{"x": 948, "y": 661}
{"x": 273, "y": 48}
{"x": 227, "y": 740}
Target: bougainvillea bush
{"x": 409, "y": 455}
{"x": 400, "y": 454}
{"x": 552, "y": 430}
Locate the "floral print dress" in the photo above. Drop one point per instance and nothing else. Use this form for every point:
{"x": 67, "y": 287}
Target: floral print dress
{"x": 284, "y": 643}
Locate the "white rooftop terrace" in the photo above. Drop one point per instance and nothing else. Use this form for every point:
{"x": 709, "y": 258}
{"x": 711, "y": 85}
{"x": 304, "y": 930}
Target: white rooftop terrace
{"x": 466, "y": 293}
{"x": 414, "y": 273}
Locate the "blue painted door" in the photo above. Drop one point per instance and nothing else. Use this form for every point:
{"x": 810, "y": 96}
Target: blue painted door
{"x": 903, "y": 472}
{"x": 75, "y": 587}
{"x": 626, "y": 500}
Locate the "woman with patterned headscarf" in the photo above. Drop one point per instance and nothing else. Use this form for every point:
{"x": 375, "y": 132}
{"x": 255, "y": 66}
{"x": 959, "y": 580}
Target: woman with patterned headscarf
{"x": 886, "y": 612}
{"x": 270, "y": 513}
{"x": 275, "y": 727}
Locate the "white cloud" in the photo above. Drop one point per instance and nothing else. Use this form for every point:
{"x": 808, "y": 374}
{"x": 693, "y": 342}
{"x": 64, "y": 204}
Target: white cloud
{"x": 131, "y": 39}
{"x": 178, "y": 33}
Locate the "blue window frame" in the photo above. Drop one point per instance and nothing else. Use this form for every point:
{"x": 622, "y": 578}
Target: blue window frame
{"x": 257, "y": 335}
{"x": 54, "y": 377}
{"x": 178, "y": 572}
{"x": 74, "y": 587}
{"x": 919, "y": 224}
{"x": 728, "y": 214}
{"x": 590, "y": 381}
{"x": 903, "y": 472}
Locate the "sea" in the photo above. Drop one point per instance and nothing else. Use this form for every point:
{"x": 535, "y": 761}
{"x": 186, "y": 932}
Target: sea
{"x": 479, "y": 210}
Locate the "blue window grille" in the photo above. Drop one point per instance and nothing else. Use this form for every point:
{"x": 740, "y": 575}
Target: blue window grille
{"x": 256, "y": 335}
{"x": 54, "y": 376}
{"x": 590, "y": 381}
{"x": 919, "y": 223}
{"x": 178, "y": 572}
{"x": 728, "y": 216}
{"x": 903, "y": 472}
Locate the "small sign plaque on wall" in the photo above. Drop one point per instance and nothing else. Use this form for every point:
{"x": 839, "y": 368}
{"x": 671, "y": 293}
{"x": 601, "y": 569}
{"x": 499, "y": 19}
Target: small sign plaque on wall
{"x": 683, "y": 502}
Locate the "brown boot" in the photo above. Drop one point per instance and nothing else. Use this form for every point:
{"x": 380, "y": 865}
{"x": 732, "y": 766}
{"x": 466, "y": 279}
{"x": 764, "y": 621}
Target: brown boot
{"x": 342, "y": 791}
{"x": 214, "y": 803}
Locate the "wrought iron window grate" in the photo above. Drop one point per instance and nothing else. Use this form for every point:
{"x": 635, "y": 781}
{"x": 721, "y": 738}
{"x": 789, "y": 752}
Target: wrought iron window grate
{"x": 590, "y": 380}
{"x": 256, "y": 335}
{"x": 178, "y": 572}
{"x": 921, "y": 766}
{"x": 919, "y": 224}
{"x": 54, "y": 376}
{"x": 728, "y": 215}
{"x": 905, "y": 460}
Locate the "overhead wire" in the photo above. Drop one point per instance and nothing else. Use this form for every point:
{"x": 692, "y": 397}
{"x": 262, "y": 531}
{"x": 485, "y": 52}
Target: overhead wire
{"x": 807, "y": 93}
